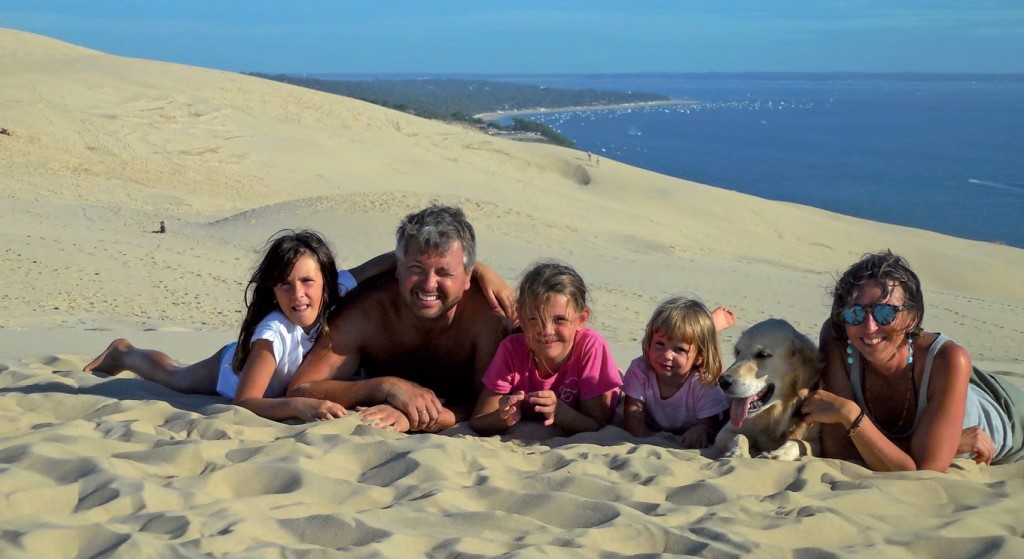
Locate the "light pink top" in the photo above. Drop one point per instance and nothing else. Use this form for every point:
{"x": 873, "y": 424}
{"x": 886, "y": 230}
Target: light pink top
{"x": 692, "y": 402}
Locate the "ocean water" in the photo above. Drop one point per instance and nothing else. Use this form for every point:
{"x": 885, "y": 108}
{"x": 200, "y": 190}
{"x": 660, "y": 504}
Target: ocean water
{"x": 943, "y": 153}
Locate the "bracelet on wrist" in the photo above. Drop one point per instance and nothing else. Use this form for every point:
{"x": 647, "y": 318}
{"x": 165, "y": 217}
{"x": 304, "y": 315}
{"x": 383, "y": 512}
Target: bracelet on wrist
{"x": 855, "y": 426}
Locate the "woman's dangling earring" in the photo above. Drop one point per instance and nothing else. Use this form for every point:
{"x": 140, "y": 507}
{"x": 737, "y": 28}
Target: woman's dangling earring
{"x": 849, "y": 351}
{"x": 910, "y": 346}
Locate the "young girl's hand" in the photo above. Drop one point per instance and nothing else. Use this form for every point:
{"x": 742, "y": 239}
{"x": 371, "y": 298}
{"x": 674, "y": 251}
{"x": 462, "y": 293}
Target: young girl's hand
{"x": 508, "y": 407}
{"x": 695, "y": 437}
{"x": 312, "y": 409}
{"x": 384, "y": 416}
{"x": 545, "y": 403}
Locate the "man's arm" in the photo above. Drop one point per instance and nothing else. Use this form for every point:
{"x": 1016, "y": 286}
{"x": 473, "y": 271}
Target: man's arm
{"x": 333, "y": 360}
{"x": 499, "y": 295}
{"x": 380, "y": 264}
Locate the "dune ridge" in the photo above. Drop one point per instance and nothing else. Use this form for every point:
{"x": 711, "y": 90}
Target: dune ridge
{"x": 104, "y": 147}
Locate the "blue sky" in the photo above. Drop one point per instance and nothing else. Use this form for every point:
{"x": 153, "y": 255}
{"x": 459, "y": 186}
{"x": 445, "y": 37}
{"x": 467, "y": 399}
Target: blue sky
{"x": 542, "y": 36}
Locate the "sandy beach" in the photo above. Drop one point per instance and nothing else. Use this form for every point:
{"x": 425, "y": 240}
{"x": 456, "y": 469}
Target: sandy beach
{"x": 102, "y": 148}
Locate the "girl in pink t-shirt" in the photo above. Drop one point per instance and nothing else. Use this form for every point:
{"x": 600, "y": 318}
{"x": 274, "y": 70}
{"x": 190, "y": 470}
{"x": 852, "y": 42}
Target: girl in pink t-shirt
{"x": 556, "y": 370}
{"x": 673, "y": 386}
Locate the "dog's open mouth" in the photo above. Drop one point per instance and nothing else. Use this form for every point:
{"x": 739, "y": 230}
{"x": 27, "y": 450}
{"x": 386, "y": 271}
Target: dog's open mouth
{"x": 740, "y": 408}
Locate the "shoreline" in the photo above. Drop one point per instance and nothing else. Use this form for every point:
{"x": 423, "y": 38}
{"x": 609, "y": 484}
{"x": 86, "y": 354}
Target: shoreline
{"x": 491, "y": 117}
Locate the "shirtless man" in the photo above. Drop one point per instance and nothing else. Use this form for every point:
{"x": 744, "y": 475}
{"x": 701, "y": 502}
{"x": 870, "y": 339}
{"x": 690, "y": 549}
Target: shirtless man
{"x": 423, "y": 338}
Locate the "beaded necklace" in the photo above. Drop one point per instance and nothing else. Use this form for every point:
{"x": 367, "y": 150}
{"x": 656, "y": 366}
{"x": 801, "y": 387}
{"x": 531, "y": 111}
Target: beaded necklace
{"x": 895, "y": 432}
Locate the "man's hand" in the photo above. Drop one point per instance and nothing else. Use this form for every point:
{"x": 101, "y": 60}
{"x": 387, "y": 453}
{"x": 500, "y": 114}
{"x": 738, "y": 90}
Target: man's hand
{"x": 420, "y": 405}
{"x": 499, "y": 295}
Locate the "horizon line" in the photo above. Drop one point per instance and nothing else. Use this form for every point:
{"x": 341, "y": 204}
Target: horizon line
{"x": 772, "y": 73}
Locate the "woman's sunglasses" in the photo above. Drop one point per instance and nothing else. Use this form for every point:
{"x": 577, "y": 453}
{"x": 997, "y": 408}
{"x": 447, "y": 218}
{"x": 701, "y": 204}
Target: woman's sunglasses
{"x": 883, "y": 313}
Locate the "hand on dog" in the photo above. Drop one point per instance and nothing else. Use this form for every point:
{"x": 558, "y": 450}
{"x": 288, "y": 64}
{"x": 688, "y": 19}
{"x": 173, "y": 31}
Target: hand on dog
{"x": 545, "y": 403}
{"x": 977, "y": 442}
{"x": 822, "y": 406}
{"x": 508, "y": 407}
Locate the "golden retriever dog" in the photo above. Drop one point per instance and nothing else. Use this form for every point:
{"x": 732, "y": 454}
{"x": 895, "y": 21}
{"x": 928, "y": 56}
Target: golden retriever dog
{"x": 773, "y": 364}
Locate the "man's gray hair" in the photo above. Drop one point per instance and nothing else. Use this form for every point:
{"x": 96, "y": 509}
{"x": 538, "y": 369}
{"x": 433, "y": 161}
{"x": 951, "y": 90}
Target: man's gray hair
{"x": 434, "y": 230}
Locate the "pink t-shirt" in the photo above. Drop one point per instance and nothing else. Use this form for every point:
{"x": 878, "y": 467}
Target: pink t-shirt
{"x": 694, "y": 400}
{"x": 588, "y": 372}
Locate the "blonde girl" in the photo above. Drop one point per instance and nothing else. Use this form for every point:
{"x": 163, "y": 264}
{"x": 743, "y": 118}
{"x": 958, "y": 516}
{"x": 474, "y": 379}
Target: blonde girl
{"x": 673, "y": 386}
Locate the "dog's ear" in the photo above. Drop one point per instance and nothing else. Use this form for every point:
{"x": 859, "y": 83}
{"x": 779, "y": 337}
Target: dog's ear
{"x": 805, "y": 352}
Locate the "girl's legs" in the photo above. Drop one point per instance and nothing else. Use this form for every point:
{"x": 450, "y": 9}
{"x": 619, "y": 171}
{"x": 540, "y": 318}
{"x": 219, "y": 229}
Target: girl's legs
{"x": 121, "y": 355}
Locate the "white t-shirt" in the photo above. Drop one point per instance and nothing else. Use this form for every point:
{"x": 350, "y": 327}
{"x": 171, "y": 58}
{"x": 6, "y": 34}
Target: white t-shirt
{"x": 290, "y": 344}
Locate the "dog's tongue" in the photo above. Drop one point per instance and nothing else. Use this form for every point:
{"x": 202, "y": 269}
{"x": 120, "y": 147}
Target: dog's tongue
{"x": 738, "y": 411}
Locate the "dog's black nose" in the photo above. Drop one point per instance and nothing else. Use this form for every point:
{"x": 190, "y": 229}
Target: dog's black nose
{"x": 724, "y": 382}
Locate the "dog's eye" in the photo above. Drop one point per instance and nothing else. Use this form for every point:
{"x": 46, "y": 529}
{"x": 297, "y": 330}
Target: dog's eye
{"x": 762, "y": 354}
{"x": 736, "y": 352}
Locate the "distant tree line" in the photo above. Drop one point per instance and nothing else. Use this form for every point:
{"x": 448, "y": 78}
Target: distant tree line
{"x": 453, "y": 99}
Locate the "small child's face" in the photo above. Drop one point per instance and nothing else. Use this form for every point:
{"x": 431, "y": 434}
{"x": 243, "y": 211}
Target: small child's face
{"x": 301, "y": 294}
{"x": 671, "y": 357}
{"x": 551, "y": 331}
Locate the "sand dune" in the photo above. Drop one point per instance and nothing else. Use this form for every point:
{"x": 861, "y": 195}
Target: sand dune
{"x": 104, "y": 147}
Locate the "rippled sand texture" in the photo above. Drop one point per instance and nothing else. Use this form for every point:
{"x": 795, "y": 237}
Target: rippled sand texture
{"x": 102, "y": 148}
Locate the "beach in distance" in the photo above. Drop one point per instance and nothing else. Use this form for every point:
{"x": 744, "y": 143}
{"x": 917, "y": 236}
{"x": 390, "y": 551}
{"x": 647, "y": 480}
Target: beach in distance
{"x": 858, "y": 144}
{"x": 490, "y": 117}
{"x": 102, "y": 148}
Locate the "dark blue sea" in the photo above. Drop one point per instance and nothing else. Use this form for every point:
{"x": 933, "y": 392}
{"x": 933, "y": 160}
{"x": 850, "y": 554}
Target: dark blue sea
{"x": 937, "y": 152}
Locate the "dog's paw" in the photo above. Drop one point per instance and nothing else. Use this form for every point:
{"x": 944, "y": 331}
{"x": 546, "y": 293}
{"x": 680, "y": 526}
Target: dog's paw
{"x": 737, "y": 447}
{"x": 789, "y": 452}
{"x": 737, "y": 451}
{"x": 730, "y": 445}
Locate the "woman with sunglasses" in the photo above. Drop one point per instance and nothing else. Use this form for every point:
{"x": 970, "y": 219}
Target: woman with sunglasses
{"x": 897, "y": 397}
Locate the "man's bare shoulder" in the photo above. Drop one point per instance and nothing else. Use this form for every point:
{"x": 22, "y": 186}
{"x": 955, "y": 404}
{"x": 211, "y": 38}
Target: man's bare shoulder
{"x": 477, "y": 315}
{"x": 370, "y": 303}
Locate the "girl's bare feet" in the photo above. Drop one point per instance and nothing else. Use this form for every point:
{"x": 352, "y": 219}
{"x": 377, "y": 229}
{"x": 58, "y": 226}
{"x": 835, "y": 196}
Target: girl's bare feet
{"x": 722, "y": 318}
{"x": 111, "y": 361}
